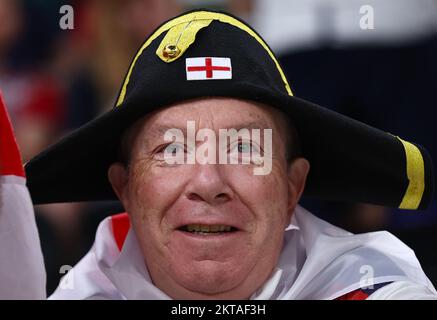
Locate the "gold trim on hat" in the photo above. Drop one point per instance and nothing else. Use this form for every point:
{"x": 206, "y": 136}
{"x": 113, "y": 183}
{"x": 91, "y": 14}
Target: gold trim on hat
{"x": 198, "y": 20}
{"x": 416, "y": 176}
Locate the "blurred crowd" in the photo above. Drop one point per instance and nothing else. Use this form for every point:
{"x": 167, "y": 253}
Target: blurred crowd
{"x": 55, "y": 80}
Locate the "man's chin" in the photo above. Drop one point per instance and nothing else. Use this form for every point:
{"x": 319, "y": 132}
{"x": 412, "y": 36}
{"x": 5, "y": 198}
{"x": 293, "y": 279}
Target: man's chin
{"x": 209, "y": 278}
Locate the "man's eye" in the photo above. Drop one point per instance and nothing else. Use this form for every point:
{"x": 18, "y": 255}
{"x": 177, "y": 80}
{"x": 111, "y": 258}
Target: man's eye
{"x": 245, "y": 147}
{"x": 173, "y": 149}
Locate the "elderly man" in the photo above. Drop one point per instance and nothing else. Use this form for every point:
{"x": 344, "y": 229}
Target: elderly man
{"x": 209, "y": 152}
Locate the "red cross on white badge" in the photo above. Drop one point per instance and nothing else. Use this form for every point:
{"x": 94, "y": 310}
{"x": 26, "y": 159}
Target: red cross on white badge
{"x": 208, "y": 68}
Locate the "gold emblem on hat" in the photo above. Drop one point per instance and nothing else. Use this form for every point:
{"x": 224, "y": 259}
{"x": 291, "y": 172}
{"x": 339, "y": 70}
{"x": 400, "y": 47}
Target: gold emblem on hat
{"x": 171, "y": 51}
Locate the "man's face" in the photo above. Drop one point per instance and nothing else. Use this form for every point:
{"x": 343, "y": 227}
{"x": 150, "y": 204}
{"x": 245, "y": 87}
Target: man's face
{"x": 179, "y": 211}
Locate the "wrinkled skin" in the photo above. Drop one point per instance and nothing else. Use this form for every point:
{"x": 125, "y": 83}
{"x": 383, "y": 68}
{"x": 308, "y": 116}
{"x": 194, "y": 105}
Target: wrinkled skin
{"x": 160, "y": 198}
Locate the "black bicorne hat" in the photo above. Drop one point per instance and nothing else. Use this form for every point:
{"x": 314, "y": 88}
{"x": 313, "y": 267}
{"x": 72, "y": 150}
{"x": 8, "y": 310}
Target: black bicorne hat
{"x": 350, "y": 161}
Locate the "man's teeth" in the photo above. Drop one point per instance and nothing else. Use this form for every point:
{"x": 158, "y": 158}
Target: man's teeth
{"x": 203, "y": 228}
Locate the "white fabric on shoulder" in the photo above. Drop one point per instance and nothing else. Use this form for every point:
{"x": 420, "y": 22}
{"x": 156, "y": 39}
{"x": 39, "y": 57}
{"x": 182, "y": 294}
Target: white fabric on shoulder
{"x": 86, "y": 280}
{"x": 318, "y": 261}
{"x": 403, "y": 290}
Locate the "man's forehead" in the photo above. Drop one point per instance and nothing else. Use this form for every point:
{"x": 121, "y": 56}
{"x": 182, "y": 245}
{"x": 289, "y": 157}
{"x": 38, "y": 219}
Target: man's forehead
{"x": 214, "y": 113}
{"x": 159, "y": 130}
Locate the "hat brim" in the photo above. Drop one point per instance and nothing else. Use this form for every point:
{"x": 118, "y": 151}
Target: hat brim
{"x": 350, "y": 161}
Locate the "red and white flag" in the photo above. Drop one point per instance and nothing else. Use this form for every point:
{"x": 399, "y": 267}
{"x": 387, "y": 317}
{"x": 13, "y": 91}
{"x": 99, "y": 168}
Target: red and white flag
{"x": 208, "y": 68}
{"x": 22, "y": 272}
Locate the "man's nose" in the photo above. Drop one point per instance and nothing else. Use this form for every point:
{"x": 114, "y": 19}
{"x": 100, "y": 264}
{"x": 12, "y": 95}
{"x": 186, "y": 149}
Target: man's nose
{"x": 208, "y": 184}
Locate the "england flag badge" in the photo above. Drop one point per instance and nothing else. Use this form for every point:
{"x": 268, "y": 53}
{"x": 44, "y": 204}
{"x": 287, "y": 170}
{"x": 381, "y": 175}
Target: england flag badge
{"x": 208, "y": 68}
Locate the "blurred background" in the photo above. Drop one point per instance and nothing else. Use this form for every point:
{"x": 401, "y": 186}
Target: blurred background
{"x": 375, "y": 61}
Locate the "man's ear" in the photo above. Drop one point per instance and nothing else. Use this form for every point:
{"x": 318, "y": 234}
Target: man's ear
{"x": 118, "y": 177}
{"x": 297, "y": 175}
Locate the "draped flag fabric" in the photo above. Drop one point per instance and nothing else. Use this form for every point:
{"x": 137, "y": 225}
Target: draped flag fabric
{"x": 317, "y": 261}
{"x": 22, "y": 272}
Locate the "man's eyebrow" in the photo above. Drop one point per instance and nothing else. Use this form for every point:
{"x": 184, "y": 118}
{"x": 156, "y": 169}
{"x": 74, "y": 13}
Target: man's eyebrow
{"x": 158, "y": 131}
{"x": 258, "y": 124}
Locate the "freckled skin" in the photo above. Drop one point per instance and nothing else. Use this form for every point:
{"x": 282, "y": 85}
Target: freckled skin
{"x": 157, "y": 195}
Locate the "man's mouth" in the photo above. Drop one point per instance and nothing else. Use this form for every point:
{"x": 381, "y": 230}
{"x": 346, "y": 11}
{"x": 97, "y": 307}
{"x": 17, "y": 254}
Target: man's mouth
{"x": 207, "y": 229}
